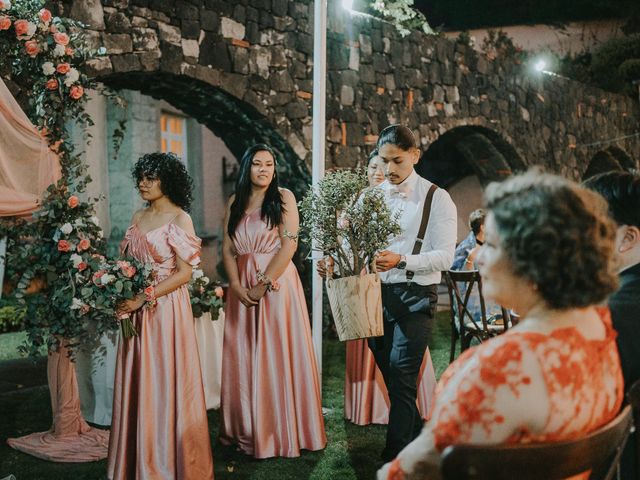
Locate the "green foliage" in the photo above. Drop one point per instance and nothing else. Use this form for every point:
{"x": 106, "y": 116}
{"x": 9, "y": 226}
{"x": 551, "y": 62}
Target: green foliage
{"x": 403, "y": 15}
{"x": 47, "y": 54}
{"x": 205, "y": 296}
{"x": 348, "y": 220}
{"x": 498, "y": 43}
{"x": 612, "y": 66}
{"x": 11, "y": 317}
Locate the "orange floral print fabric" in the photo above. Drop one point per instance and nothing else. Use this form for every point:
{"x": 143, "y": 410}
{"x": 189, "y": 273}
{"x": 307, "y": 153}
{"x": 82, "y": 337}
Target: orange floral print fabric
{"x": 529, "y": 387}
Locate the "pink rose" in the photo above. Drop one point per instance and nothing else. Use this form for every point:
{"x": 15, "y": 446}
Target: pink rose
{"x": 129, "y": 272}
{"x": 61, "y": 38}
{"x": 32, "y": 48}
{"x": 64, "y": 246}
{"x": 219, "y": 292}
{"x": 96, "y": 278}
{"x": 45, "y": 15}
{"x": 63, "y": 68}
{"x": 21, "y": 26}
{"x": 52, "y": 84}
{"x": 150, "y": 291}
{"x": 73, "y": 201}
{"x": 69, "y": 51}
{"x": 5, "y": 22}
{"x": 76, "y": 92}
{"x": 84, "y": 244}
{"x": 82, "y": 266}
{"x": 84, "y": 309}
{"x": 53, "y": 28}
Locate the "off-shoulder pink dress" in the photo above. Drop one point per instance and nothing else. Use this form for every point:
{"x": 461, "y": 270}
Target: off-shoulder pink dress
{"x": 270, "y": 396}
{"x": 159, "y": 428}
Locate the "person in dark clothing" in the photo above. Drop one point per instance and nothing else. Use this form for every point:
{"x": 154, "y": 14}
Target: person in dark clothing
{"x": 622, "y": 192}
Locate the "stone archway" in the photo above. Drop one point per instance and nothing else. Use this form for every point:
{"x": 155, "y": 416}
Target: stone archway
{"x": 236, "y": 122}
{"x": 610, "y": 159}
{"x": 464, "y": 160}
{"x": 469, "y": 150}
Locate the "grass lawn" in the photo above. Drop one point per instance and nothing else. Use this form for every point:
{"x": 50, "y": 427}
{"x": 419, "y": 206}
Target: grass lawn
{"x": 352, "y": 451}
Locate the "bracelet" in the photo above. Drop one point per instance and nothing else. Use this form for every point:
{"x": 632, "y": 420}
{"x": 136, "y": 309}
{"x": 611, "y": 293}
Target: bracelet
{"x": 150, "y": 296}
{"x": 267, "y": 282}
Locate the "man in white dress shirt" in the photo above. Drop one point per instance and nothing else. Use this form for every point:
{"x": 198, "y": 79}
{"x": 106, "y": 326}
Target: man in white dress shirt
{"x": 411, "y": 272}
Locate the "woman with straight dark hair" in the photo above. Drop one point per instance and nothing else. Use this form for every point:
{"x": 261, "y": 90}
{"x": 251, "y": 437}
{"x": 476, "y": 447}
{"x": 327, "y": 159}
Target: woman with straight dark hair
{"x": 270, "y": 396}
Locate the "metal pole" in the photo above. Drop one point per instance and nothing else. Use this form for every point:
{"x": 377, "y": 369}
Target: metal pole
{"x": 319, "y": 126}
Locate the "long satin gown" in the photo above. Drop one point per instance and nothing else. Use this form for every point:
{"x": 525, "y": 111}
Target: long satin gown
{"x": 159, "y": 429}
{"x": 366, "y": 399}
{"x": 270, "y": 390}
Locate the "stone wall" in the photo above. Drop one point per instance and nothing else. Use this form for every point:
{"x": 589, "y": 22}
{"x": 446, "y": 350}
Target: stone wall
{"x": 244, "y": 69}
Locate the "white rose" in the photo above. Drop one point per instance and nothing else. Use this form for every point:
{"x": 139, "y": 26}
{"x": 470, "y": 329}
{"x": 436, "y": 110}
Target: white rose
{"x": 78, "y": 223}
{"x": 5, "y": 4}
{"x": 197, "y": 273}
{"x": 76, "y": 304}
{"x": 66, "y": 228}
{"x": 99, "y": 235}
{"x": 106, "y": 279}
{"x": 59, "y": 51}
{"x": 95, "y": 220}
{"x": 48, "y": 68}
{"x": 205, "y": 280}
{"x": 76, "y": 259}
{"x": 71, "y": 77}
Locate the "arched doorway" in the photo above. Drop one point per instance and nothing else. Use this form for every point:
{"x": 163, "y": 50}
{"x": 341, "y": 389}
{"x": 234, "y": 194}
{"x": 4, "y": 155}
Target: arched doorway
{"x": 610, "y": 159}
{"x": 463, "y": 161}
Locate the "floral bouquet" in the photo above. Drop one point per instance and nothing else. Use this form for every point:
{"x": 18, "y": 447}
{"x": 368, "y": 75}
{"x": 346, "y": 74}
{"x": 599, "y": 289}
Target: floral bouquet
{"x": 205, "y": 296}
{"x": 107, "y": 284}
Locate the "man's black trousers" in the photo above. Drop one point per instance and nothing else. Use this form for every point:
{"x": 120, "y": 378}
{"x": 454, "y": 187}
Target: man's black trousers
{"x": 408, "y": 311}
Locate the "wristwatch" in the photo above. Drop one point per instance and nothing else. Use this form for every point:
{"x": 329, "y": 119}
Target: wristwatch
{"x": 402, "y": 264}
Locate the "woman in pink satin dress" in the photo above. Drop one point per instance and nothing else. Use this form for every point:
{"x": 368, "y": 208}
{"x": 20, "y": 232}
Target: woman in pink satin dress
{"x": 366, "y": 399}
{"x": 270, "y": 393}
{"x": 159, "y": 429}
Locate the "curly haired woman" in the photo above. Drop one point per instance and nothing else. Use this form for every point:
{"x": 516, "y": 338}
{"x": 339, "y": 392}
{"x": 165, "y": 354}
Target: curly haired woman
{"x": 549, "y": 255}
{"x": 159, "y": 428}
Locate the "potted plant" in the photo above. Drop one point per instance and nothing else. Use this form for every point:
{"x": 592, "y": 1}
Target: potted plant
{"x": 350, "y": 222}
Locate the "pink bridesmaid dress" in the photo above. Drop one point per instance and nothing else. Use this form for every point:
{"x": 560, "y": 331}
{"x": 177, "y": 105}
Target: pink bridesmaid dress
{"x": 270, "y": 390}
{"x": 159, "y": 428}
{"x": 365, "y": 395}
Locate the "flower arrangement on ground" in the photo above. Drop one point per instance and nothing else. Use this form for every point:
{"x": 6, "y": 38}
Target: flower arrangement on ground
{"x": 205, "y": 296}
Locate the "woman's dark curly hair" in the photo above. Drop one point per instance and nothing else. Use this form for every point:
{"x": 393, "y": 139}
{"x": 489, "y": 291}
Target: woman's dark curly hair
{"x": 557, "y": 235}
{"x": 175, "y": 182}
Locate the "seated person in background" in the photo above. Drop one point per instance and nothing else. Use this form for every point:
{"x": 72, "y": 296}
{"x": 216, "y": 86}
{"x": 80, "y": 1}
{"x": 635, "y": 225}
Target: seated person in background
{"x": 621, "y": 190}
{"x": 475, "y": 238}
{"x": 549, "y": 254}
{"x": 493, "y": 310}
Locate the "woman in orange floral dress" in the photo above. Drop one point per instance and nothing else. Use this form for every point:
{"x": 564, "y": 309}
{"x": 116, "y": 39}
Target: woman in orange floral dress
{"x": 548, "y": 254}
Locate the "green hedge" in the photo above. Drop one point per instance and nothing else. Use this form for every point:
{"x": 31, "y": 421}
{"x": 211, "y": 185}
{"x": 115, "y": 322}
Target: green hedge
{"x": 11, "y": 317}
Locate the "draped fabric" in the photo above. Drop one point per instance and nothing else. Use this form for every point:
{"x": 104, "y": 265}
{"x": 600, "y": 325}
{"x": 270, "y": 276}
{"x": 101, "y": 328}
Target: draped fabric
{"x": 365, "y": 395}
{"x": 159, "y": 429}
{"x": 27, "y": 165}
{"x": 210, "y": 336}
{"x": 70, "y": 439}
